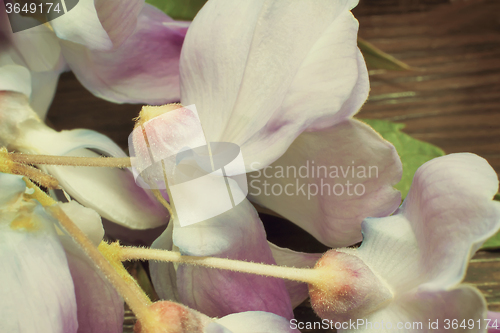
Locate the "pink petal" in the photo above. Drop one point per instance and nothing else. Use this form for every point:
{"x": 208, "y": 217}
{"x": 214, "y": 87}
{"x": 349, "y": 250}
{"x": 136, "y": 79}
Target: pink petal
{"x": 494, "y": 322}
{"x": 235, "y": 234}
{"x": 303, "y": 67}
{"x": 332, "y": 203}
{"x": 143, "y": 69}
{"x": 99, "y": 307}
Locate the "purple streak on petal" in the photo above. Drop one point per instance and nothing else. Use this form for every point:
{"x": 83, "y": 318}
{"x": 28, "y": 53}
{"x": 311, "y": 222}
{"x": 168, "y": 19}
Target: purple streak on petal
{"x": 235, "y": 234}
{"x": 143, "y": 69}
{"x": 99, "y": 307}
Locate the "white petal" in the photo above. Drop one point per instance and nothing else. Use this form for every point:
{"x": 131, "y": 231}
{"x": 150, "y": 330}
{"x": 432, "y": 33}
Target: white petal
{"x": 163, "y": 275}
{"x": 442, "y": 311}
{"x": 447, "y": 215}
{"x": 256, "y": 321}
{"x": 275, "y": 52}
{"x": 111, "y": 192}
{"x": 37, "y": 47}
{"x": 15, "y": 78}
{"x": 86, "y": 219}
{"x": 118, "y": 18}
{"x": 81, "y": 25}
{"x": 36, "y": 288}
{"x": 13, "y": 188}
{"x": 44, "y": 86}
{"x": 328, "y": 181}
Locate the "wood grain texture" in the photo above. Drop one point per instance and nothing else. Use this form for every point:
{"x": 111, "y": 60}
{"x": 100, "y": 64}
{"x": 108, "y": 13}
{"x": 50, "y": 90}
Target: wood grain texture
{"x": 450, "y": 99}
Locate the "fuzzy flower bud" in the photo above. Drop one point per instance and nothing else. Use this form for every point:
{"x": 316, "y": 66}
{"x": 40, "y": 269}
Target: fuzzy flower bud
{"x": 349, "y": 288}
{"x": 160, "y": 133}
{"x": 170, "y": 317}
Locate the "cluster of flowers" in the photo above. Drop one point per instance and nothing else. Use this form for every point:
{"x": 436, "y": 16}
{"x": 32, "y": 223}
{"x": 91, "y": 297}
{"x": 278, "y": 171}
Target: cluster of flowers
{"x": 282, "y": 80}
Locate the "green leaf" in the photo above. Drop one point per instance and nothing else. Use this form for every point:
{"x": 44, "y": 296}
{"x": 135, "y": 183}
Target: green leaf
{"x": 494, "y": 242}
{"x": 378, "y": 59}
{"x": 184, "y": 10}
{"x": 413, "y": 152}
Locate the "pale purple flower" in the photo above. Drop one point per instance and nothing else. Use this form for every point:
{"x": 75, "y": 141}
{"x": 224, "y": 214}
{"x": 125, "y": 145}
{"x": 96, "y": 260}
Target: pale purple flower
{"x": 125, "y": 52}
{"x": 111, "y": 192}
{"x": 410, "y": 265}
{"x": 47, "y": 283}
{"x": 122, "y": 52}
{"x": 280, "y": 79}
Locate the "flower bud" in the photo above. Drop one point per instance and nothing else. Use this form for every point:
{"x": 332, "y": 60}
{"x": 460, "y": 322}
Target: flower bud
{"x": 170, "y": 317}
{"x": 348, "y": 288}
{"x": 160, "y": 133}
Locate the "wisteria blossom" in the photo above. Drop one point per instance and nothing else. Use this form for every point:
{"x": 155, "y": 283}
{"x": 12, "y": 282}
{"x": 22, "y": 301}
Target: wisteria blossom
{"x": 105, "y": 43}
{"x": 280, "y": 71}
{"x": 50, "y": 283}
{"x": 410, "y": 265}
{"x": 111, "y": 192}
{"x": 120, "y": 51}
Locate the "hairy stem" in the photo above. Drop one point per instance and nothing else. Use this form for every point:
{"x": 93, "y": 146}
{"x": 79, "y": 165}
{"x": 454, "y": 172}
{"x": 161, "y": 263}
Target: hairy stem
{"x": 307, "y": 275}
{"x": 131, "y": 293}
{"x": 110, "y": 162}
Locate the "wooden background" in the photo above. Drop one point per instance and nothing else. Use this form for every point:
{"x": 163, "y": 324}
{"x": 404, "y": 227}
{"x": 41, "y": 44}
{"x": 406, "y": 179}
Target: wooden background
{"x": 450, "y": 99}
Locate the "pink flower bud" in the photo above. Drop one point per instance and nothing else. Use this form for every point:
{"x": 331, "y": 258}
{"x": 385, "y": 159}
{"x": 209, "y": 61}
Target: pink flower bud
{"x": 160, "y": 133}
{"x": 349, "y": 288}
{"x": 170, "y": 317}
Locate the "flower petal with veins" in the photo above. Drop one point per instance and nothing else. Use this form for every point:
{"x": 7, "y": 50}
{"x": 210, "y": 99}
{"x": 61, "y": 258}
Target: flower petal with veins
{"x": 111, "y": 192}
{"x": 144, "y": 68}
{"x": 338, "y": 156}
{"x": 235, "y": 234}
{"x": 279, "y": 52}
{"x": 100, "y": 308}
{"x": 447, "y": 214}
{"x": 35, "y": 279}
